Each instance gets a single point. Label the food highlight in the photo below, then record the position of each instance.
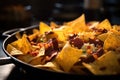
(72, 47)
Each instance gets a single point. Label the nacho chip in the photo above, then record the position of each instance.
(68, 57)
(78, 24)
(80, 20)
(116, 27)
(36, 60)
(68, 30)
(114, 31)
(34, 35)
(25, 58)
(17, 44)
(103, 36)
(51, 35)
(60, 34)
(44, 27)
(105, 24)
(53, 25)
(49, 66)
(32, 59)
(35, 31)
(26, 46)
(112, 41)
(18, 35)
(13, 51)
(86, 35)
(107, 64)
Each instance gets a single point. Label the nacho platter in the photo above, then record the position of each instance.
(75, 47)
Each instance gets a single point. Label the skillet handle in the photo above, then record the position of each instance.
(5, 60)
(9, 32)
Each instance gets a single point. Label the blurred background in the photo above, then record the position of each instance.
(23, 13)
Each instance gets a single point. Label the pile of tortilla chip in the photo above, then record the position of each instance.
(68, 56)
(108, 63)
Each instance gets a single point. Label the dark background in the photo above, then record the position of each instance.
(23, 13)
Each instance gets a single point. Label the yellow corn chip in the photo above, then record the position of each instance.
(25, 58)
(18, 35)
(80, 20)
(105, 24)
(44, 27)
(17, 44)
(53, 25)
(13, 51)
(78, 24)
(116, 27)
(60, 34)
(103, 36)
(33, 36)
(107, 64)
(112, 41)
(68, 57)
(26, 46)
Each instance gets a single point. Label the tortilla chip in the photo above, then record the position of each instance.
(114, 31)
(49, 66)
(86, 35)
(44, 27)
(68, 57)
(33, 36)
(22, 44)
(13, 51)
(116, 27)
(105, 24)
(78, 24)
(60, 35)
(68, 30)
(26, 46)
(53, 25)
(25, 58)
(103, 36)
(35, 31)
(107, 64)
(17, 44)
(112, 42)
(52, 35)
(18, 35)
(79, 20)
(36, 61)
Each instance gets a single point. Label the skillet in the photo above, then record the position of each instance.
(37, 73)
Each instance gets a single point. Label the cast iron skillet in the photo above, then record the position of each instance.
(35, 72)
